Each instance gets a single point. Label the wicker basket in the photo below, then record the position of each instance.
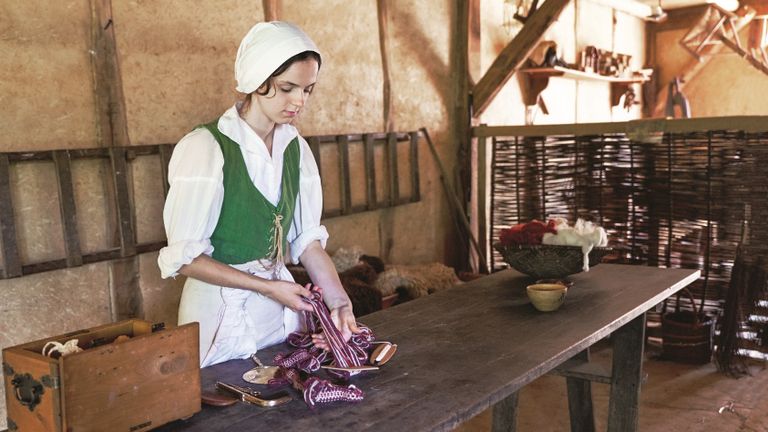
(549, 261)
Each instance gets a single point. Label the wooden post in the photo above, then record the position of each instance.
(505, 414)
(271, 10)
(483, 176)
(112, 128)
(623, 412)
(112, 131)
(462, 118)
(381, 9)
(580, 400)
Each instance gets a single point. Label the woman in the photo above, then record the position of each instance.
(242, 189)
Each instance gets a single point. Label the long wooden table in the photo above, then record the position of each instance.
(474, 346)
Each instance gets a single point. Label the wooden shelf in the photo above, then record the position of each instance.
(560, 71)
(538, 79)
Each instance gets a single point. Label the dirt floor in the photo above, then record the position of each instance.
(675, 397)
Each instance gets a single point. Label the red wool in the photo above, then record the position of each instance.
(530, 233)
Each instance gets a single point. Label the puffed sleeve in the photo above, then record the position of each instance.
(194, 200)
(306, 226)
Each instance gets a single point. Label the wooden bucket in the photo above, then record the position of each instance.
(688, 336)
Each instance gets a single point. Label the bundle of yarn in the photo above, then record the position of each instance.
(583, 233)
(307, 359)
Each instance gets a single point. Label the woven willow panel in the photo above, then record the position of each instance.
(685, 200)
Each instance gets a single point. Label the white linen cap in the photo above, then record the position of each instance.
(267, 46)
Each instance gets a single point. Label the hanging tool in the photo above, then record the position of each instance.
(676, 98)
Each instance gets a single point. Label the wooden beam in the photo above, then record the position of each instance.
(740, 123)
(271, 10)
(515, 53)
(112, 128)
(474, 52)
(111, 132)
(381, 9)
(752, 60)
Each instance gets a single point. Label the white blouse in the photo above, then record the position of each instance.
(196, 192)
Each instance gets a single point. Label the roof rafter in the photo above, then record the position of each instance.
(515, 53)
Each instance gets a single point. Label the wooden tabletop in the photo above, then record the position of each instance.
(459, 352)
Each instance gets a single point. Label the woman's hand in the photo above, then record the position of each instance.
(290, 294)
(344, 320)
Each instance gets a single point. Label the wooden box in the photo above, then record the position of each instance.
(149, 380)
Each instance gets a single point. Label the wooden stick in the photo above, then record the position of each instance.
(453, 202)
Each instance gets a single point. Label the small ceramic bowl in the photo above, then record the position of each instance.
(546, 297)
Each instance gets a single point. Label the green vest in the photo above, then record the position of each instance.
(246, 228)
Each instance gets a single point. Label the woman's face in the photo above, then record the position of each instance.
(289, 93)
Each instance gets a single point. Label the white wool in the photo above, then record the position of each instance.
(584, 234)
(346, 258)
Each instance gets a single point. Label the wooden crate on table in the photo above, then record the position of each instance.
(146, 381)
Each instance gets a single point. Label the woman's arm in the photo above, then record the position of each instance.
(323, 273)
(209, 270)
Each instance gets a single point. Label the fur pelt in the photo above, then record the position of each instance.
(413, 281)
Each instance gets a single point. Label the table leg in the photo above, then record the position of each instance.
(623, 406)
(580, 400)
(505, 414)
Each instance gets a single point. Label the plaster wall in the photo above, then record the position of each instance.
(727, 86)
(176, 65)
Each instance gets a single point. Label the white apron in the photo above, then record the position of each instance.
(235, 323)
